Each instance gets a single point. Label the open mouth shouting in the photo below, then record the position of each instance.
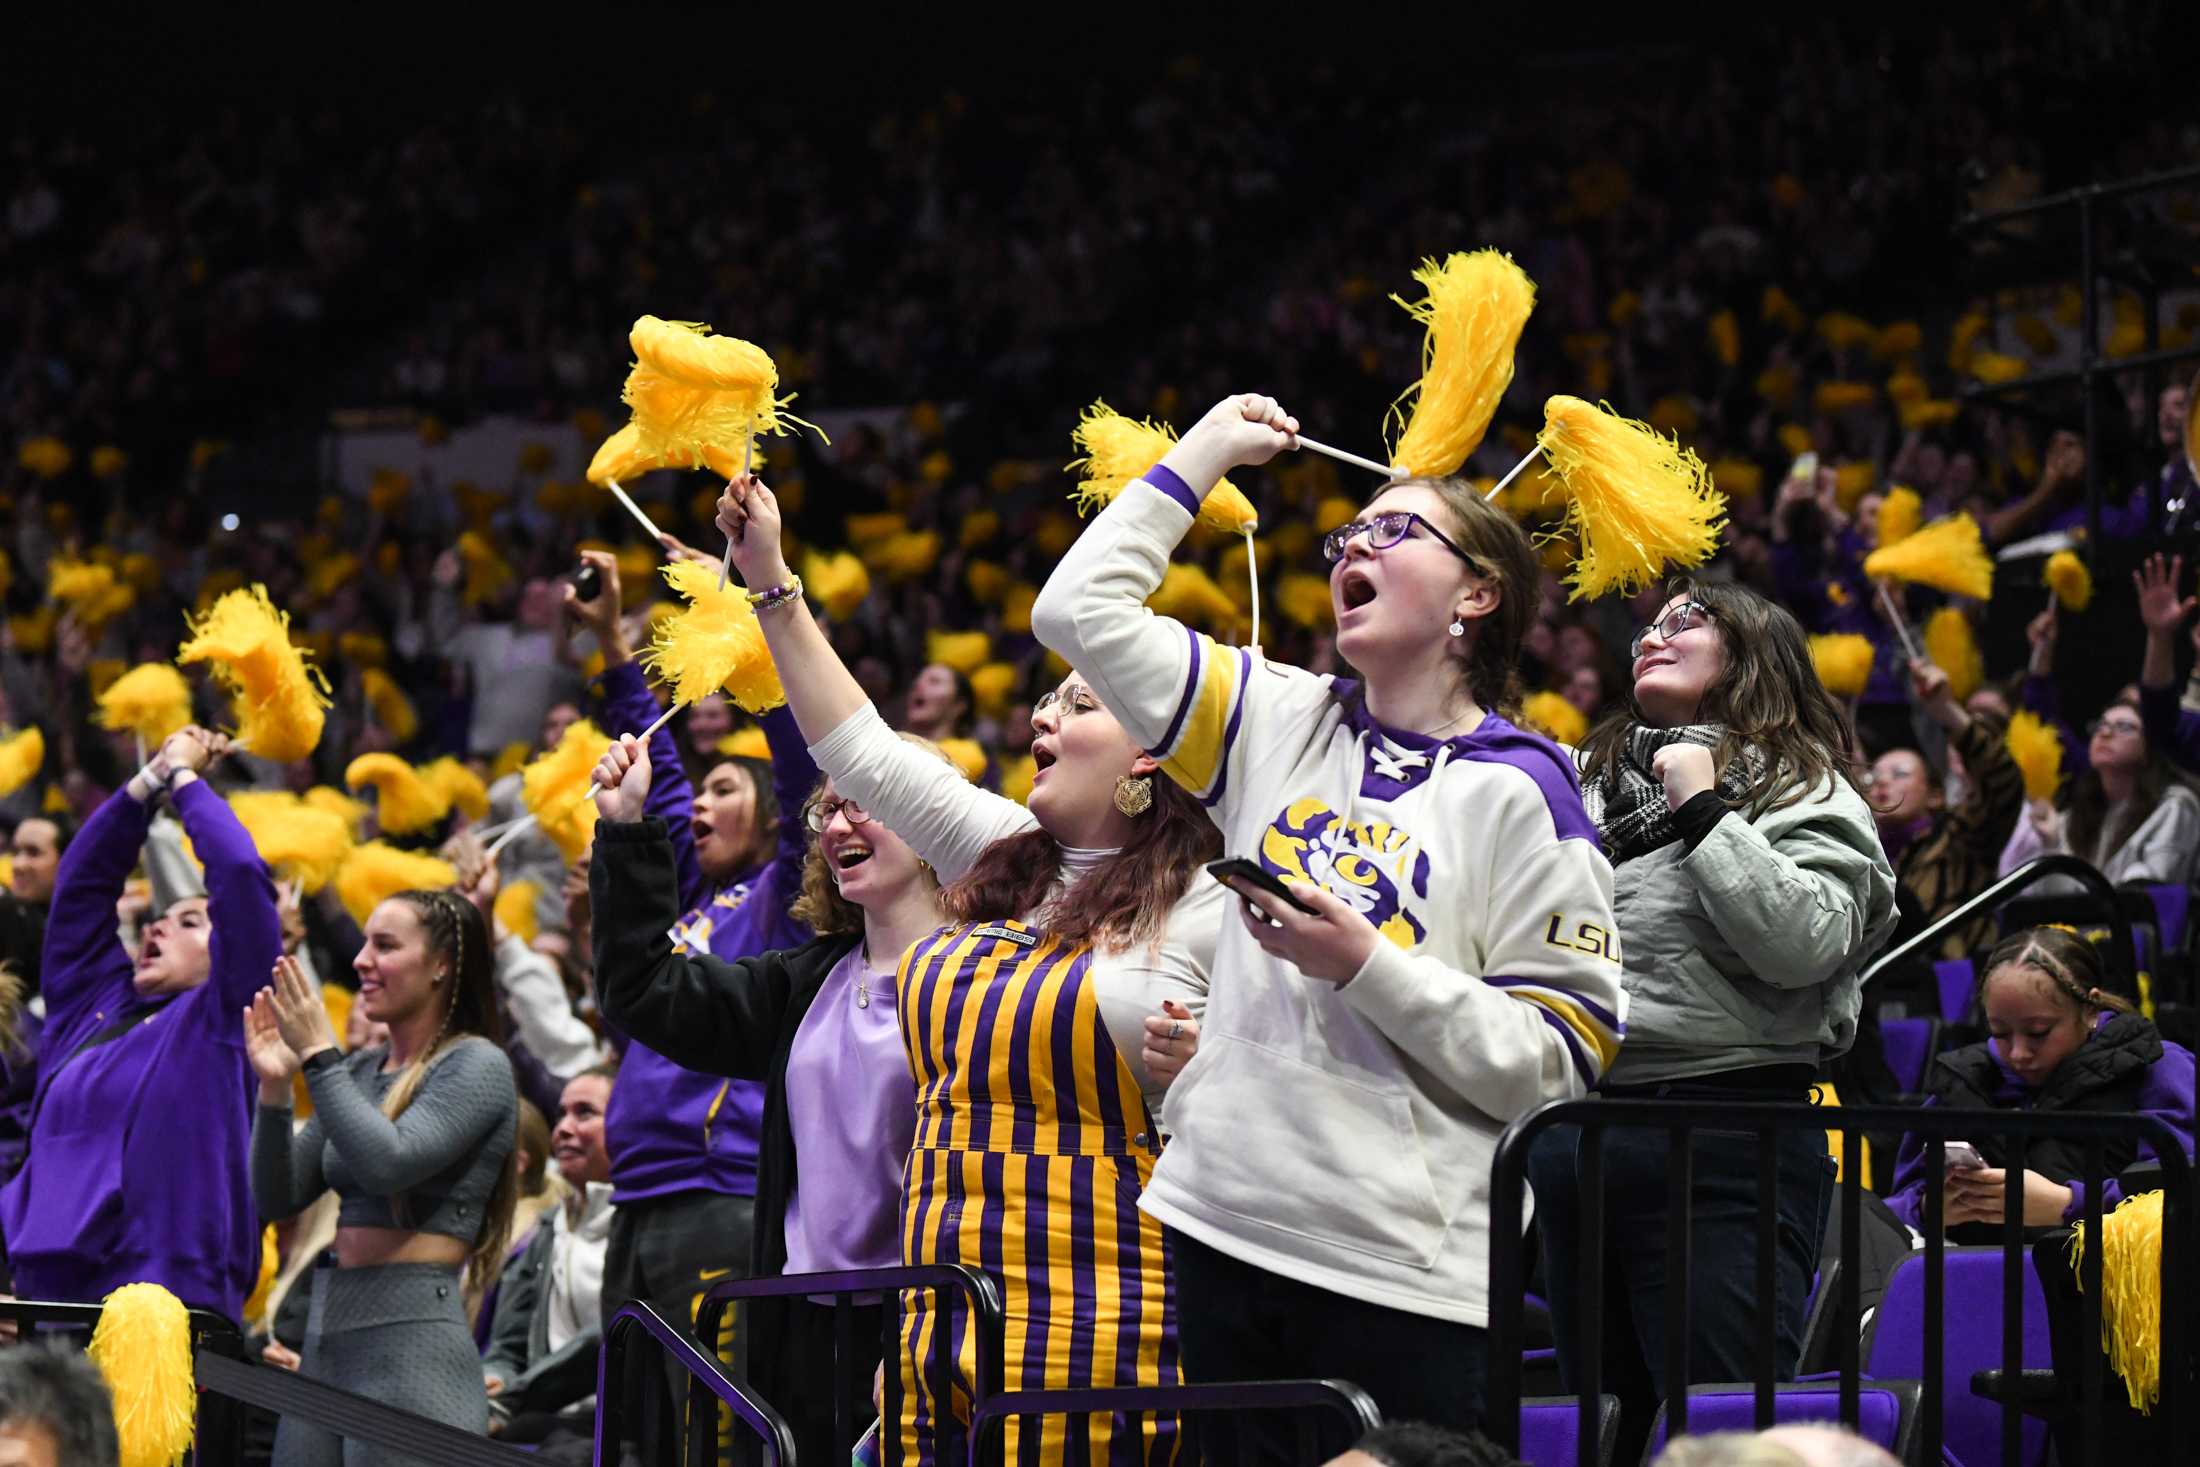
(1355, 589)
(1043, 758)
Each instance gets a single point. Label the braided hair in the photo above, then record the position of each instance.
(2070, 964)
(457, 935)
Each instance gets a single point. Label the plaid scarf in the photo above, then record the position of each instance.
(1628, 804)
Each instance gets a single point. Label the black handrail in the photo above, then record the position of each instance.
(979, 1294)
(2034, 870)
(351, 1416)
(1938, 1125)
(1339, 1396)
(220, 1435)
(704, 1374)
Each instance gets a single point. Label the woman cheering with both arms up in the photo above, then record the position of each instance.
(1026, 1021)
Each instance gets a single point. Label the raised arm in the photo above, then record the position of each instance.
(85, 966)
(247, 933)
(944, 818)
(702, 1014)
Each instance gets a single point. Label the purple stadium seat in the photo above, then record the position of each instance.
(1971, 1342)
(1908, 1045)
(1550, 1431)
(2170, 906)
(1886, 1411)
(1954, 977)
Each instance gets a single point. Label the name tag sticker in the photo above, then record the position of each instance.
(1009, 934)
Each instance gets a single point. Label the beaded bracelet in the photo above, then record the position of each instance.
(785, 593)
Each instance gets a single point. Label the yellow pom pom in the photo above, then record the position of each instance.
(963, 651)
(460, 787)
(1191, 596)
(1954, 650)
(714, 643)
(1844, 663)
(1636, 501)
(1725, 334)
(1474, 308)
(1673, 414)
(373, 873)
(698, 399)
(142, 1346)
(488, 574)
(1016, 604)
(404, 803)
(1551, 715)
(1906, 387)
(1852, 481)
(746, 743)
(1993, 366)
(1842, 397)
(967, 756)
(510, 759)
(1898, 339)
(2037, 750)
(298, 840)
(1303, 600)
(387, 701)
(108, 461)
(2069, 579)
(1779, 310)
(993, 685)
(1928, 413)
(1946, 554)
(1796, 439)
(1115, 450)
(1777, 385)
(555, 785)
(2131, 1293)
(1334, 511)
(337, 803)
(1840, 330)
(516, 911)
(1900, 513)
(1016, 777)
(1736, 478)
(982, 527)
(21, 755)
(905, 556)
(75, 582)
(151, 700)
(47, 457)
(278, 696)
(987, 581)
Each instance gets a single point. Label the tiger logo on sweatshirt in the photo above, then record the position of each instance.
(1378, 868)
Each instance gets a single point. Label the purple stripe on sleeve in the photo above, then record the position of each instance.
(1565, 1031)
(1213, 797)
(1167, 481)
(1184, 704)
(1607, 1019)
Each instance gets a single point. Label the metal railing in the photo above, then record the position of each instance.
(1937, 1125)
(959, 1287)
(708, 1387)
(2039, 868)
(1340, 1398)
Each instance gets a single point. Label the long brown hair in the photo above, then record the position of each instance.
(2088, 827)
(1123, 902)
(457, 935)
(1490, 667)
(821, 907)
(1769, 698)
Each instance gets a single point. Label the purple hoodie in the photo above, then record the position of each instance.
(671, 1130)
(138, 1147)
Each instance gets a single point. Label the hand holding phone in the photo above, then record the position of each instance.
(1237, 868)
(1964, 1157)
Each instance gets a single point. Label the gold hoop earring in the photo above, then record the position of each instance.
(1134, 797)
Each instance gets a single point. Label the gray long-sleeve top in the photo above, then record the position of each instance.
(442, 1156)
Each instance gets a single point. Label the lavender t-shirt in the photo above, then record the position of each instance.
(853, 1108)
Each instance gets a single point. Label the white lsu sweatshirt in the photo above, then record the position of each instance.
(1343, 1137)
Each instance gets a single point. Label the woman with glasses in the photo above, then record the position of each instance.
(684, 1140)
(1446, 962)
(1750, 888)
(1041, 1026)
(2129, 814)
(816, 1026)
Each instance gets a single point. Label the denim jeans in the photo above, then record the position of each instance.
(1723, 1302)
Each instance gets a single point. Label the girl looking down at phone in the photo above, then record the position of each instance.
(2057, 1042)
(1042, 1024)
(1327, 1180)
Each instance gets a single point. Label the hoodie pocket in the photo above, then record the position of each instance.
(1302, 1150)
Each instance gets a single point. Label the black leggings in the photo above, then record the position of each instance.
(1236, 1322)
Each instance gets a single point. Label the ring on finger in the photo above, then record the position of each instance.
(1176, 1029)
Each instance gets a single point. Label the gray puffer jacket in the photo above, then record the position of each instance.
(1745, 950)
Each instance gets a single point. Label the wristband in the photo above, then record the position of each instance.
(786, 592)
(325, 1058)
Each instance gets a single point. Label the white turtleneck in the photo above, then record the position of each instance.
(949, 822)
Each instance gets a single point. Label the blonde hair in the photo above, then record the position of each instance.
(821, 907)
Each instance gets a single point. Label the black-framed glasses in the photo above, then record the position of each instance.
(2131, 726)
(821, 813)
(1385, 530)
(1682, 617)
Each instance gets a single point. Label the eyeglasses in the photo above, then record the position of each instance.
(1385, 530)
(2129, 726)
(1680, 619)
(1076, 700)
(821, 813)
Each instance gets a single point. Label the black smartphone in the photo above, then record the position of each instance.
(1238, 868)
(587, 582)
